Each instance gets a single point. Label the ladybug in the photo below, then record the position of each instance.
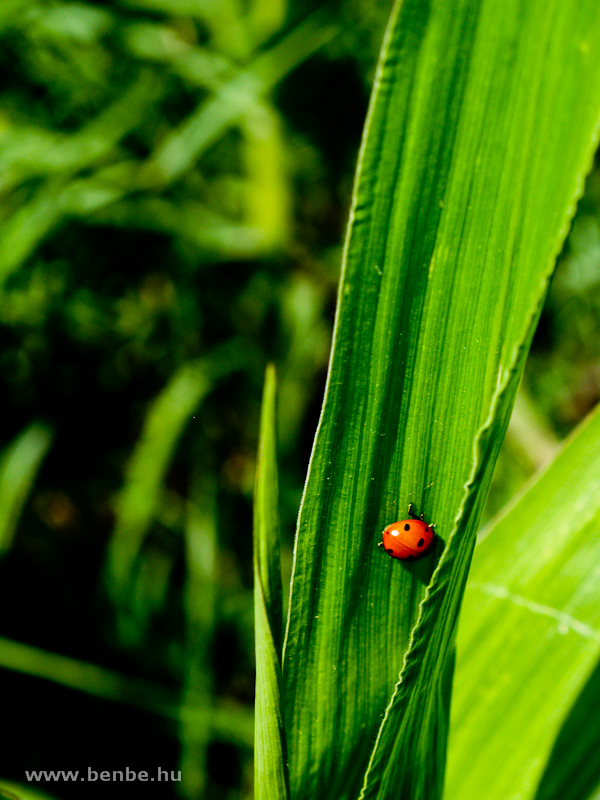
(409, 539)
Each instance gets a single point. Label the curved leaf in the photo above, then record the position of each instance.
(19, 464)
(530, 628)
(141, 494)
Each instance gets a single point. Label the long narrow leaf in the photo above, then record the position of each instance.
(16, 791)
(530, 628)
(230, 723)
(18, 467)
(179, 150)
(141, 494)
(166, 419)
(200, 607)
(270, 759)
(457, 219)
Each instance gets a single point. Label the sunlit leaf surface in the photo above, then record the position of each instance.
(270, 747)
(481, 128)
(530, 628)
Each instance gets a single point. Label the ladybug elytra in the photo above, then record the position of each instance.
(408, 539)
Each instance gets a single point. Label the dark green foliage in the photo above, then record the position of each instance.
(154, 255)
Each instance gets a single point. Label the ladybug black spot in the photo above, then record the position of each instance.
(421, 542)
(407, 527)
(390, 550)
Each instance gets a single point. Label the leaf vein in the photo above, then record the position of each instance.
(565, 620)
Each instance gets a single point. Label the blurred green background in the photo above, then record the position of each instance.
(175, 178)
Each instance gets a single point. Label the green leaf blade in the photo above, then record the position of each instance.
(266, 515)
(18, 467)
(270, 757)
(530, 631)
(141, 494)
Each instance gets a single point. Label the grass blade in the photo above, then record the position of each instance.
(270, 771)
(165, 421)
(18, 468)
(530, 627)
(230, 723)
(16, 791)
(141, 494)
(200, 605)
(236, 97)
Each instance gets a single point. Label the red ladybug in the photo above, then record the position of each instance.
(409, 539)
